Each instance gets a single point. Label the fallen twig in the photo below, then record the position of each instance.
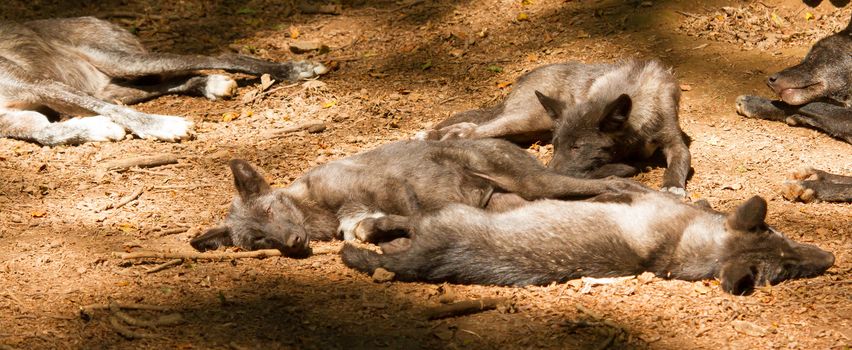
(173, 231)
(165, 265)
(149, 172)
(463, 308)
(312, 127)
(165, 320)
(133, 196)
(687, 14)
(130, 306)
(126, 332)
(264, 253)
(142, 162)
(179, 187)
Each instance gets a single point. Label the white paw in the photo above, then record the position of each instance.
(422, 135)
(458, 131)
(677, 191)
(164, 128)
(309, 69)
(98, 128)
(349, 224)
(219, 86)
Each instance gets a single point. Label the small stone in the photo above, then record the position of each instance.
(381, 275)
(307, 46)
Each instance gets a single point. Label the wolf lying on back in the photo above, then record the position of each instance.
(80, 66)
(816, 93)
(599, 115)
(400, 178)
(553, 241)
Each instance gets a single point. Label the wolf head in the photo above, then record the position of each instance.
(585, 137)
(826, 72)
(259, 218)
(755, 254)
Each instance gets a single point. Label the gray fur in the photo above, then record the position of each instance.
(400, 178)
(553, 241)
(816, 92)
(85, 66)
(575, 104)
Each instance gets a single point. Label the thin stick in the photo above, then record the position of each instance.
(149, 172)
(165, 320)
(173, 231)
(142, 162)
(306, 126)
(126, 332)
(463, 308)
(129, 306)
(264, 253)
(179, 187)
(165, 265)
(125, 200)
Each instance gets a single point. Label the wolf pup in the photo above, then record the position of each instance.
(598, 115)
(83, 66)
(554, 241)
(400, 178)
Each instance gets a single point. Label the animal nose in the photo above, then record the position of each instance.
(829, 260)
(772, 78)
(295, 240)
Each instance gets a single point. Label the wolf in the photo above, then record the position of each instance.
(399, 178)
(818, 93)
(549, 241)
(596, 115)
(86, 66)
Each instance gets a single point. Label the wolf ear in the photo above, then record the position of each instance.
(248, 181)
(749, 215)
(737, 278)
(553, 106)
(616, 113)
(212, 239)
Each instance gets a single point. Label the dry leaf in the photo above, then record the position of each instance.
(249, 96)
(809, 16)
(503, 85)
(122, 283)
(329, 104)
(523, 17)
(38, 214)
(748, 328)
(229, 116)
(685, 87)
(294, 32)
(456, 52)
(265, 82)
(126, 227)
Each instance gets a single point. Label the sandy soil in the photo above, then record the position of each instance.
(401, 67)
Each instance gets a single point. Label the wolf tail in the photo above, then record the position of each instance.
(363, 260)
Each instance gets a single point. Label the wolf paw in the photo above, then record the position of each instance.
(97, 128)
(677, 191)
(805, 174)
(306, 69)
(798, 191)
(219, 86)
(163, 128)
(459, 131)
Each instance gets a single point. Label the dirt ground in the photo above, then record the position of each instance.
(402, 66)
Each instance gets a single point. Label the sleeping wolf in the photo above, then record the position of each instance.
(597, 116)
(86, 66)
